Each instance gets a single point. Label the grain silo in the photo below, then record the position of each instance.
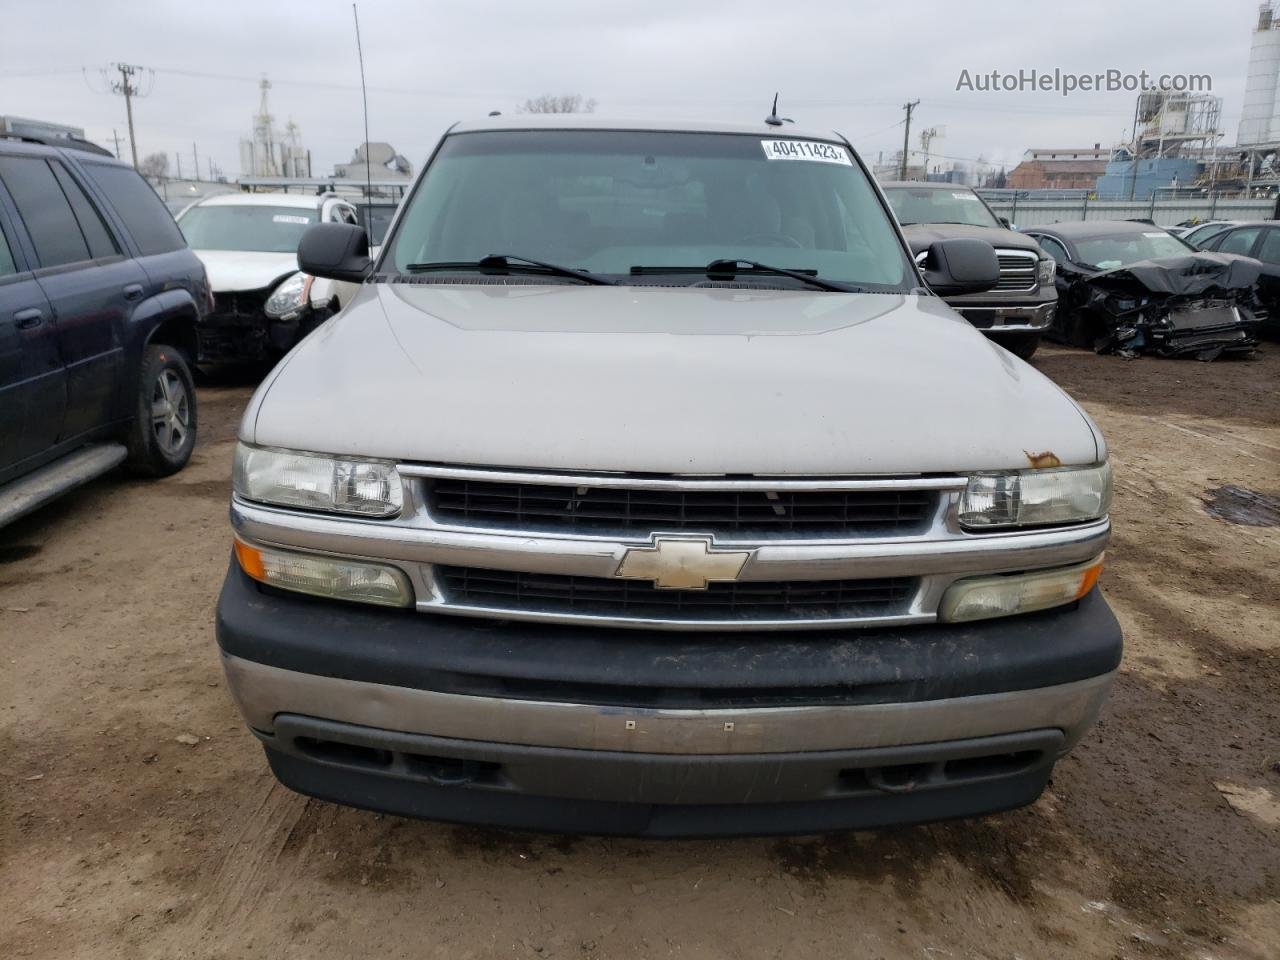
(1260, 117)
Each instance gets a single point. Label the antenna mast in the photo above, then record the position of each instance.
(364, 96)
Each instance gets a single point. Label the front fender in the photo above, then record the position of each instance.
(172, 313)
(325, 292)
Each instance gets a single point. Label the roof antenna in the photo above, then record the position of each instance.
(368, 153)
(773, 119)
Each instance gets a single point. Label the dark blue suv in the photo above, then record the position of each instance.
(99, 297)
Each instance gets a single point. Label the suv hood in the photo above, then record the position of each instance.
(921, 236)
(665, 380)
(231, 271)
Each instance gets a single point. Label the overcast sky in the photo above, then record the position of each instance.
(843, 65)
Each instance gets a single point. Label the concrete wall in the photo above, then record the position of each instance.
(1028, 213)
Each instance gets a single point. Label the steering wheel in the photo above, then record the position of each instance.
(783, 239)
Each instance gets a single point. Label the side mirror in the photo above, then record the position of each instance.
(1004, 222)
(960, 266)
(335, 251)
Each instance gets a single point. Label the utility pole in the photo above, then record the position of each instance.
(128, 89)
(116, 137)
(195, 156)
(927, 138)
(906, 136)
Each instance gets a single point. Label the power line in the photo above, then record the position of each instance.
(17, 74)
(876, 133)
(945, 156)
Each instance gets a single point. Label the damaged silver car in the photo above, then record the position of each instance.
(1129, 287)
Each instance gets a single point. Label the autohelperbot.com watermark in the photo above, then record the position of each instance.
(1066, 82)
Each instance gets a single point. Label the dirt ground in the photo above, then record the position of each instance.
(138, 818)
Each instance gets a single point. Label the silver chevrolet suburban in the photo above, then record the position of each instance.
(648, 486)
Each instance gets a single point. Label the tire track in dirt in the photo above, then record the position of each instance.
(250, 880)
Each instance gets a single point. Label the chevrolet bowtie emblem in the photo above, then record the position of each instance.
(682, 564)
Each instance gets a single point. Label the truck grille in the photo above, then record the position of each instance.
(500, 590)
(815, 513)
(240, 304)
(236, 330)
(1017, 270)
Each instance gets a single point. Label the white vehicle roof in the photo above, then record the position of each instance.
(302, 201)
(589, 121)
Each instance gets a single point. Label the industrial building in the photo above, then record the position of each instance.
(1074, 168)
(1175, 140)
(270, 153)
(375, 161)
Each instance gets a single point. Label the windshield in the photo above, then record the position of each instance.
(1203, 233)
(929, 205)
(1107, 253)
(614, 202)
(262, 229)
(375, 218)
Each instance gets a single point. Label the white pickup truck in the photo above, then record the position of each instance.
(648, 486)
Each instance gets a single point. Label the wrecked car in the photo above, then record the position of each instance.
(1130, 288)
(263, 304)
(1019, 308)
(1259, 239)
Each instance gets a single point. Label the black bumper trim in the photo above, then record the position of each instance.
(599, 792)
(595, 665)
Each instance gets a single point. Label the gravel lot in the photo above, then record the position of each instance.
(138, 818)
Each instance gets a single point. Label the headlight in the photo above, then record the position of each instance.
(980, 598)
(333, 577)
(1036, 497)
(1048, 270)
(290, 298)
(310, 481)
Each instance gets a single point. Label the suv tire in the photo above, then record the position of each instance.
(163, 432)
(1023, 345)
(1083, 330)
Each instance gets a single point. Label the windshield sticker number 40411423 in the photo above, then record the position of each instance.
(805, 150)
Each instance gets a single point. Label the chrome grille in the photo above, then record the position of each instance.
(1017, 269)
(791, 578)
(500, 590)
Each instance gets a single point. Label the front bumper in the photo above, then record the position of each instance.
(591, 730)
(1004, 318)
(247, 337)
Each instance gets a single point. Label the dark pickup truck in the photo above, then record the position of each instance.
(99, 297)
(1019, 309)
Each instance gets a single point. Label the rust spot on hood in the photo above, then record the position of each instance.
(1041, 460)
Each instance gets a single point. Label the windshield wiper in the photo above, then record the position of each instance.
(500, 263)
(728, 269)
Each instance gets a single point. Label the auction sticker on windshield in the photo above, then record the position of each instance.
(805, 150)
(289, 218)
